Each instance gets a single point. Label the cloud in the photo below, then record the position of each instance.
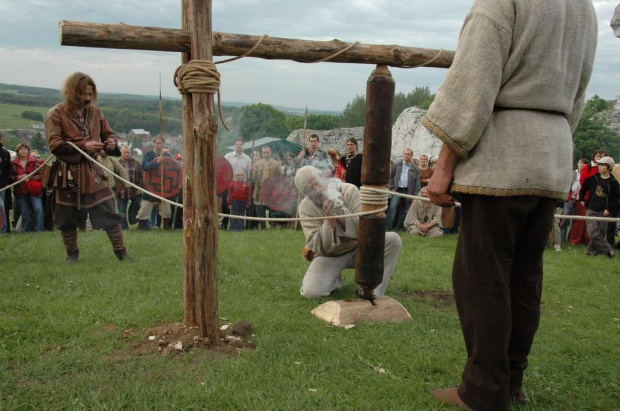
(31, 54)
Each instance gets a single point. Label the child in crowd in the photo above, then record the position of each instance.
(238, 200)
(602, 194)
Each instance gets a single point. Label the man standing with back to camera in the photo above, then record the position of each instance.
(81, 186)
(513, 96)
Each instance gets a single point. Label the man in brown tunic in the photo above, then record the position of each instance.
(81, 186)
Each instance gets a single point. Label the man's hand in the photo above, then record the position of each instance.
(307, 254)
(159, 159)
(93, 146)
(442, 178)
(606, 213)
(110, 143)
(438, 189)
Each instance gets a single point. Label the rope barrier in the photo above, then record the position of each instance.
(122, 179)
(28, 175)
(457, 204)
(200, 76)
(220, 214)
(292, 219)
(368, 195)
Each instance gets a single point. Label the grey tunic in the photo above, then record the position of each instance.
(511, 121)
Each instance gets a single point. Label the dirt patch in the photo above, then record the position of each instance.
(445, 298)
(176, 339)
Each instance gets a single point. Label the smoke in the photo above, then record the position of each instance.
(333, 193)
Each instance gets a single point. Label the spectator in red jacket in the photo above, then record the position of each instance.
(27, 194)
(239, 195)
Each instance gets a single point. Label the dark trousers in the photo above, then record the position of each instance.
(497, 279)
(238, 208)
(611, 230)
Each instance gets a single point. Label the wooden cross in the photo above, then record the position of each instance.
(197, 42)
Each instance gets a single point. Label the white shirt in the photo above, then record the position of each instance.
(239, 162)
(404, 175)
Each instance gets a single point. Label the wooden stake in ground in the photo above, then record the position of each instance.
(189, 209)
(375, 173)
(206, 222)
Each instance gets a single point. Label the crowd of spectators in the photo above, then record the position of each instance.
(594, 192)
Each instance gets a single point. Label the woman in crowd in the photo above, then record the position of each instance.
(337, 169)
(579, 233)
(425, 171)
(28, 194)
(571, 202)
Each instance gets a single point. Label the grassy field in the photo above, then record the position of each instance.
(61, 329)
(11, 115)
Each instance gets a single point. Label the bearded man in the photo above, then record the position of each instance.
(82, 187)
(331, 245)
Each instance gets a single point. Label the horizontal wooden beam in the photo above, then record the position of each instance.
(122, 36)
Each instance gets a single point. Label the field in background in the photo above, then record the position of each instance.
(62, 327)
(10, 115)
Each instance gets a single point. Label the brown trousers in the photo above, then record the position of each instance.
(497, 280)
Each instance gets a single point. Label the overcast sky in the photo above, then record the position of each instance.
(30, 51)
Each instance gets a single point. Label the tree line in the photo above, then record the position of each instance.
(126, 112)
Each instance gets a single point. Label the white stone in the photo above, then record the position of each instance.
(408, 132)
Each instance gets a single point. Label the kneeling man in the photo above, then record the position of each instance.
(424, 218)
(331, 244)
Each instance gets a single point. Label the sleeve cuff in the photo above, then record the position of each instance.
(433, 128)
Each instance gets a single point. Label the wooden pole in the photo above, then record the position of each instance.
(205, 223)
(189, 211)
(122, 36)
(375, 173)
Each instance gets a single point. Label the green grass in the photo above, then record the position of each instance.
(58, 351)
(11, 115)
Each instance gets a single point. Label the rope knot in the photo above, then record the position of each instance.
(201, 77)
(197, 76)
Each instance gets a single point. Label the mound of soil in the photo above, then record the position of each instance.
(444, 297)
(176, 339)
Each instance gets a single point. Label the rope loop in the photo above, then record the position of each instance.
(426, 63)
(247, 53)
(373, 196)
(201, 77)
(349, 47)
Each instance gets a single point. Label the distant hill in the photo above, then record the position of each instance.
(47, 97)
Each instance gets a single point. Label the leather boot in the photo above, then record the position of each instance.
(167, 222)
(144, 225)
(123, 256)
(73, 256)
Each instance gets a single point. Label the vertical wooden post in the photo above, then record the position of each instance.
(375, 173)
(189, 269)
(205, 223)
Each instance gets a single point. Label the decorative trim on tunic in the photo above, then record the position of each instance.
(507, 192)
(433, 128)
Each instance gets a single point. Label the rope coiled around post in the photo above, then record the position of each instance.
(202, 77)
(374, 196)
